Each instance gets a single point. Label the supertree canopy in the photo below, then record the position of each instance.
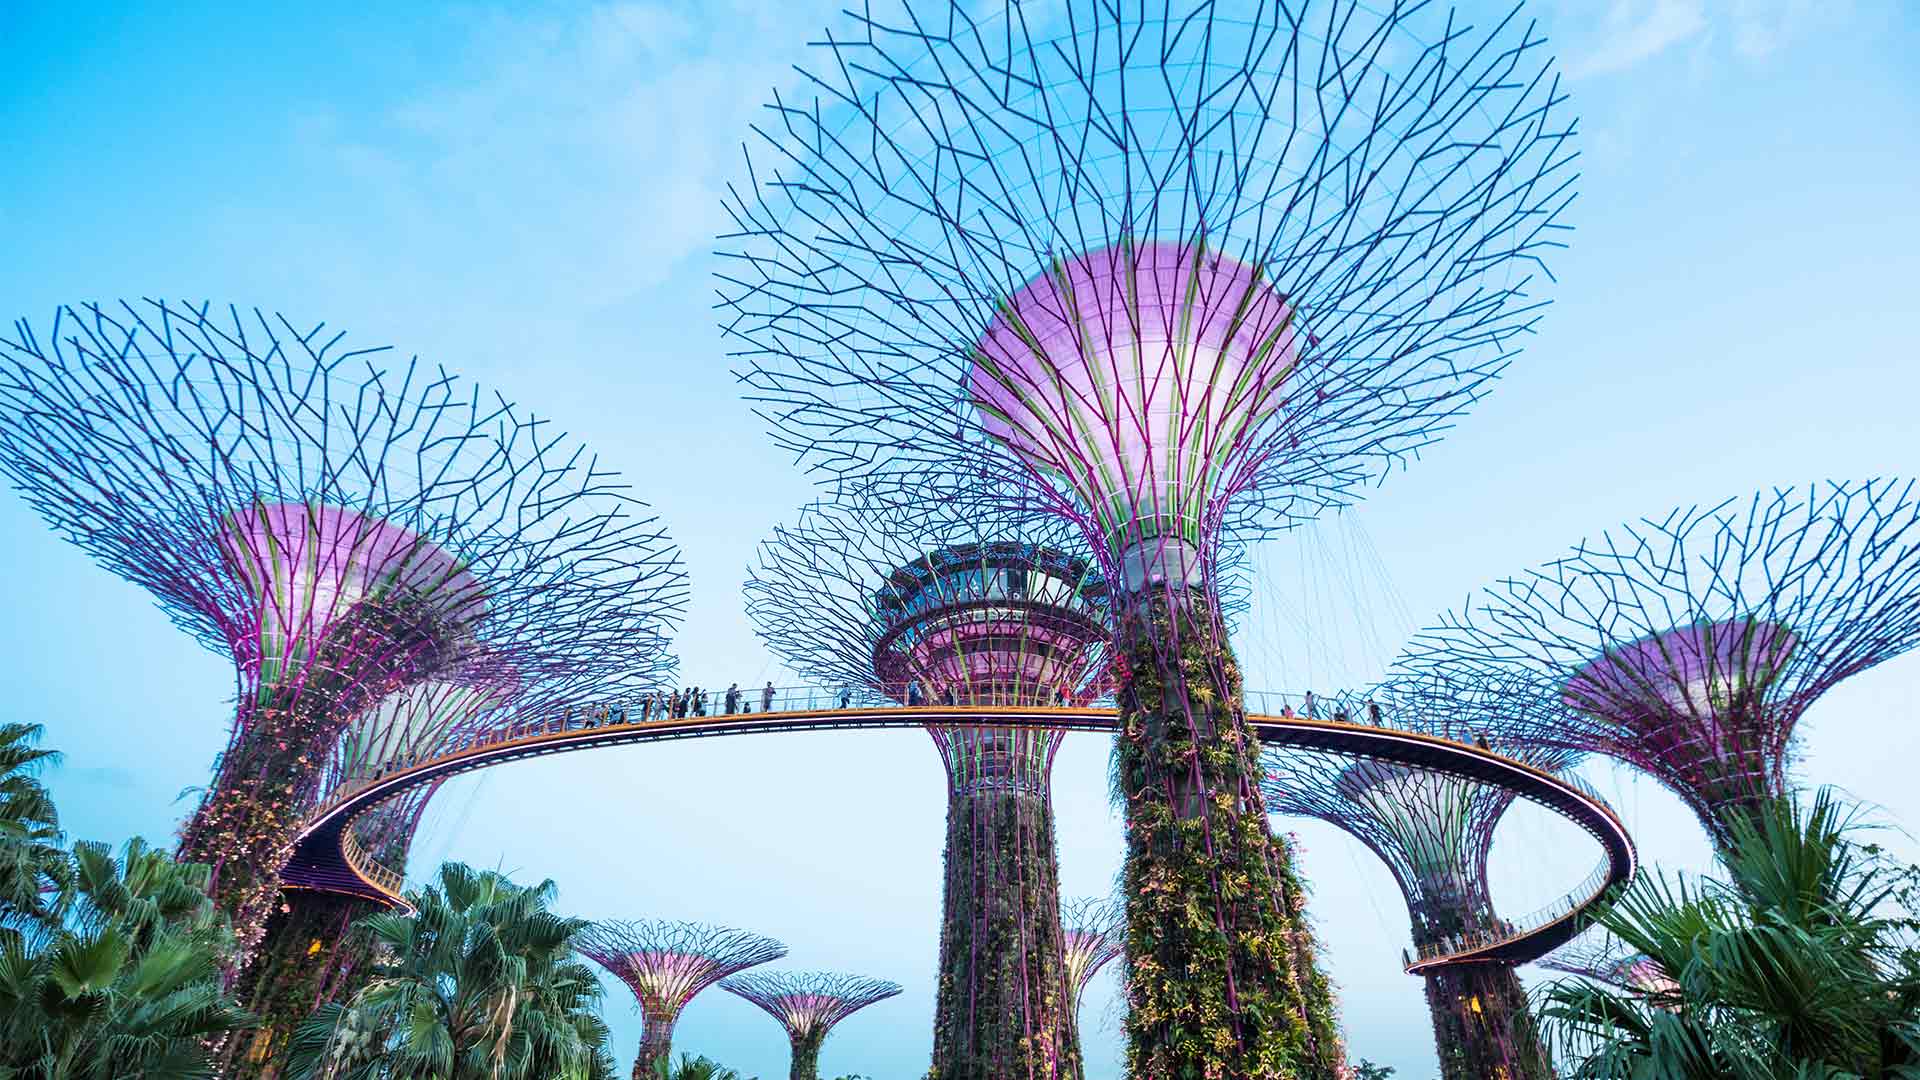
(936, 605)
(808, 1005)
(1688, 646)
(342, 532)
(1183, 270)
(1093, 929)
(1434, 832)
(665, 964)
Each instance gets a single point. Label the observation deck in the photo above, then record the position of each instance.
(326, 856)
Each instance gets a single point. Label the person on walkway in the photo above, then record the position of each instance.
(1373, 712)
(733, 698)
(1310, 705)
(846, 698)
(914, 697)
(766, 697)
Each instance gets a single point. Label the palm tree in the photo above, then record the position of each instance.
(696, 1068)
(1803, 964)
(33, 862)
(127, 983)
(481, 984)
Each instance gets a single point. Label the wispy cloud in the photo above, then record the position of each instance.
(1636, 31)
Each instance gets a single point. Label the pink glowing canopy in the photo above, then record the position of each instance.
(1694, 673)
(1139, 373)
(309, 566)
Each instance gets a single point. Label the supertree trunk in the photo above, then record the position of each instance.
(1326, 1050)
(247, 822)
(311, 956)
(1001, 1008)
(806, 1056)
(1210, 946)
(1481, 1025)
(656, 1046)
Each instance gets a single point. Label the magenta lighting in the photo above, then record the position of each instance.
(948, 605)
(808, 1005)
(1689, 646)
(1181, 273)
(344, 532)
(666, 964)
(1434, 831)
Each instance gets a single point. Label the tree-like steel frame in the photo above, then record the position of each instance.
(1688, 646)
(808, 1004)
(666, 963)
(1434, 832)
(1179, 272)
(934, 601)
(342, 531)
(1094, 928)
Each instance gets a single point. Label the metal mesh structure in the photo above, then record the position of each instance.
(665, 964)
(935, 605)
(1688, 646)
(1179, 272)
(1094, 928)
(1434, 832)
(1603, 958)
(808, 1005)
(342, 532)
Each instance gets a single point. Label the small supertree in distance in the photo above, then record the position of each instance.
(808, 1004)
(1435, 833)
(937, 603)
(1185, 271)
(666, 963)
(1094, 928)
(1599, 956)
(312, 954)
(341, 532)
(1689, 646)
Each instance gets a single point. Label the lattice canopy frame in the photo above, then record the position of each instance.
(1095, 928)
(1689, 646)
(341, 531)
(666, 964)
(808, 1005)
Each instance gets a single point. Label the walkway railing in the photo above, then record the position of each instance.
(364, 864)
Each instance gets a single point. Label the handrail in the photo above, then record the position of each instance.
(327, 839)
(1457, 947)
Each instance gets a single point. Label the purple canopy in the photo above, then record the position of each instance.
(1700, 671)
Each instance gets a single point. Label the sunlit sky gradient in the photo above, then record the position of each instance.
(528, 196)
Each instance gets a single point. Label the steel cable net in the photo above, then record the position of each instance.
(1180, 273)
(341, 531)
(1688, 646)
(808, 1004)
(666, 964)
(934, 604)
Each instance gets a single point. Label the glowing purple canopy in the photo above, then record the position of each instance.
(1703, 671)
(309, 567)
(1138, 374)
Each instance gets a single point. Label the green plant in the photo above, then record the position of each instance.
(1804, 963)
(127, 983)
(1367, 1070)
(480, 983)
(34, 868)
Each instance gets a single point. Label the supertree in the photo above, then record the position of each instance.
(312, 953)
(930, 603)
(665, 964)
(1093, 927)
(1434, 832)
(341, 532)
(1183, 269)
(808, 1005)
(1688, 646)
(1603, 958)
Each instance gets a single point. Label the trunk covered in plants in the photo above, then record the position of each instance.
(656, 1045)
(806, 1055)
(1481, 1025)
(1001, 1003)
(1213, 941)
(311, 956)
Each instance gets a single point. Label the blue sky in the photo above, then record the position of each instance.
(527, 195)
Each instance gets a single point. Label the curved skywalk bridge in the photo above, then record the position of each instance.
(328, 858)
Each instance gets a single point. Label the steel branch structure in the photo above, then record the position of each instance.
(932, 604)
(1688, 646)
(808, 1005)
(1093, 929)
(342, 532)
(1179, 272)
(1434, 832)
(665, 964)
